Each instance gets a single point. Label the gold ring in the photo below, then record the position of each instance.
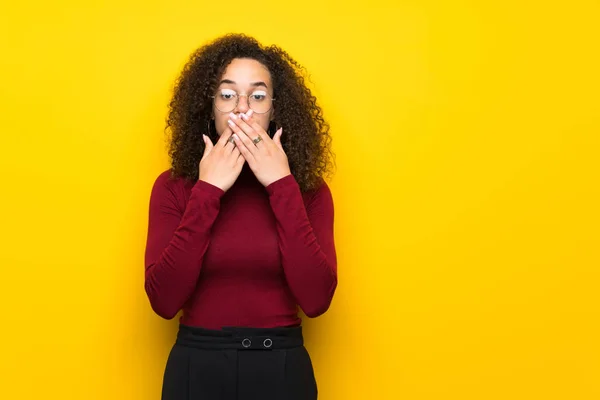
(258, 139)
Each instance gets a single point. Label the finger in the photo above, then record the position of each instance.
(246, 128)
(235, 152)
(207, 145)
(244, 150)
(240, 161)
(277, 138)
(238, 152)
(255, 125)
(230, 145)
(224, 136)
(243, 138)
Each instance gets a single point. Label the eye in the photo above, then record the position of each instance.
(259, 95)
(227, 94)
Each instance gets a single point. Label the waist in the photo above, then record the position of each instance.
(217, 303)
(241, 338)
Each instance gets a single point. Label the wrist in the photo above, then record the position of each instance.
(281, 183)
(213, 187)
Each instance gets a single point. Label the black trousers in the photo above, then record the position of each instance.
(239, 364)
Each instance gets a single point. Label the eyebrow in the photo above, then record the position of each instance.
(255, 84)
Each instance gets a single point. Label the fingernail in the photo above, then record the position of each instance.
(281, 131)
(231, 123)
(235, 136)
(232, 116)
(249, 113)
(245, 116)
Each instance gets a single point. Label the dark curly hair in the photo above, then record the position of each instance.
(306, 139)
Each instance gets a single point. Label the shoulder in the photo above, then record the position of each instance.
(320, 194)
(166, 179)
(320, 189)
(167, 186)
(163, 178)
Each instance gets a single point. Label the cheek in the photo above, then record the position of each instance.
(220, 122)
(263, 121)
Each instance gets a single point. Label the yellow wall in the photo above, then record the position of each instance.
(466, 193)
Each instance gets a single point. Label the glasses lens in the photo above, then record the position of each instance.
(260, 102)
(226, 100)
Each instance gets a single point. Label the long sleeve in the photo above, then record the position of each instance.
(306, 242)
(178, 237)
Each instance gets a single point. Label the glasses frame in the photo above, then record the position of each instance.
(237, 102)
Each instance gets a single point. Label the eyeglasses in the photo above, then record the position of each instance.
(226, 100)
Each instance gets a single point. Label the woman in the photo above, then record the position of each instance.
(241, 226)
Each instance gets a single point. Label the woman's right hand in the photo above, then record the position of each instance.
(221, 163)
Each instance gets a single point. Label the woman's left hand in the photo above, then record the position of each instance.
(266, 157)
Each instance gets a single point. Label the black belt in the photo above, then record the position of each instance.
(240, 338)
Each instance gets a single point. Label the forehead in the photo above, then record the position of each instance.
(244, 71)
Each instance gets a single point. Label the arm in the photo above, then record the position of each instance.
(176, 244)
(306, 243)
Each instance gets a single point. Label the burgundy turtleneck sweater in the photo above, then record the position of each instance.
(245, 257)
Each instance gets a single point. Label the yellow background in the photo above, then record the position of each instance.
(466, 193)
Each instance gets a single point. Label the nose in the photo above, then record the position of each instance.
(242, 106)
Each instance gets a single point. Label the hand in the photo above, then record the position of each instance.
(266, 158)
(222, 163)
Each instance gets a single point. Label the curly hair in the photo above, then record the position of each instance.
(306, 139)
